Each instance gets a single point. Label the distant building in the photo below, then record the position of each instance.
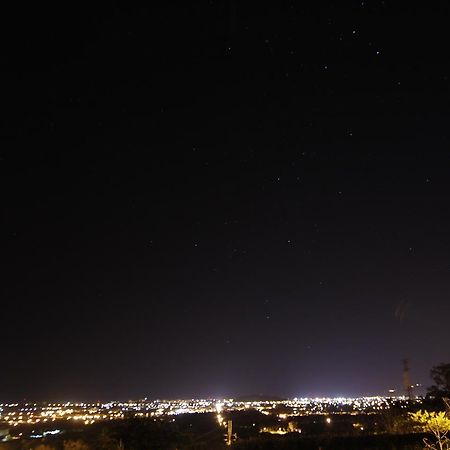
(277, 429)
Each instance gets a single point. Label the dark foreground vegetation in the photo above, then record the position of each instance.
(382, 442)
(202, 432)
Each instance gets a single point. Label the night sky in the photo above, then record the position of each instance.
(220, 198)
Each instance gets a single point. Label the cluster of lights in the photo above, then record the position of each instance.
(325, 405)
(14, 414)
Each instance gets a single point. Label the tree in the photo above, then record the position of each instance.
(435, 423)
(440, 374)
(75, 445)
(105, 440)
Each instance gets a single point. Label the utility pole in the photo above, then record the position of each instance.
(229, 432)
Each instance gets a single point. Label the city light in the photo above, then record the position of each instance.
(14, 414)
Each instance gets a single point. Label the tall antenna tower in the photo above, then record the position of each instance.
(407, 379)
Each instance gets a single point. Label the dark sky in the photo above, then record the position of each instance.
(223, 198)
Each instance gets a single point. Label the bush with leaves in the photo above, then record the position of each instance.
(435, 423)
